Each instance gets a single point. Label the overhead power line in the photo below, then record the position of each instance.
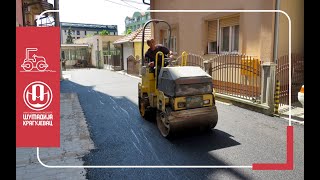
(130, 5)
(122, 4)
(134, 2)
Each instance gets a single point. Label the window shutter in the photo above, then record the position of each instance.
(173, 32)
(212, 31)
(163, 36)
(232, 21)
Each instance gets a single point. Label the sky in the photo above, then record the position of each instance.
(107, 12)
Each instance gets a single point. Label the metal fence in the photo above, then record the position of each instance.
(192, 60)
(236, 75)
(112, 61)
(297, 77)
(73, 58)
(133, 65)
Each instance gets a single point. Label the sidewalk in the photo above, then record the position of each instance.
(297, 113)
(75, 143)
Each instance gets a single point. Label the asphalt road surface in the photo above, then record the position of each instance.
(121, 137)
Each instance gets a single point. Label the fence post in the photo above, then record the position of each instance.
(184, 58)
(208, 67)
(268, 85)
(101, 61)
(61, 69)
(276, 98)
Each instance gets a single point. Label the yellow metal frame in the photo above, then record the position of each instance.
(184, 58)
(149, 81)
(149, 86)
(156, 71)
(164, 101)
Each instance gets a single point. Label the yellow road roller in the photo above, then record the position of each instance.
(179, 97)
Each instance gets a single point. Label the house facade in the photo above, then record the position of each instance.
(131, 45)
(209, 34)
(248, 52)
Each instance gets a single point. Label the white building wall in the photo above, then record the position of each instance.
(127, 51)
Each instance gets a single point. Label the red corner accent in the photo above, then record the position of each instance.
(280, 166)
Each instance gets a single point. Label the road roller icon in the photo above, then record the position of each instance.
(34, 62)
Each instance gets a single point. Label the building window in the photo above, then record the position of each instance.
(235, 45)
(85, 32)
(212, 47)
(173, 43)
(212, 36)
(230, 39)
(63, 55)
(223, 35)
(78, 32)
(78, 37)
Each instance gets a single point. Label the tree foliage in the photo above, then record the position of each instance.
(103, 32)
(69, 37)
(129, 31)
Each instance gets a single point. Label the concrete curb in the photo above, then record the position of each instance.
(124, 73)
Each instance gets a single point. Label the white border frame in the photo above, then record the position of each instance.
(187, 166)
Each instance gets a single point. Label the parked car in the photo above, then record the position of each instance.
(301, 95)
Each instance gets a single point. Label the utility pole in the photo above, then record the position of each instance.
(57, 24)
(56, 15)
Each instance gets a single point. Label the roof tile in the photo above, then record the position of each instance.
(135, 36)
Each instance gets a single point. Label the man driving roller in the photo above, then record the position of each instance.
(150, 55)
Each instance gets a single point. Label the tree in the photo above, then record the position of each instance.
(129, 31)
(103, 32)
(69, 37)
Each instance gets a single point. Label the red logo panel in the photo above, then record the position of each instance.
(37, 87)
